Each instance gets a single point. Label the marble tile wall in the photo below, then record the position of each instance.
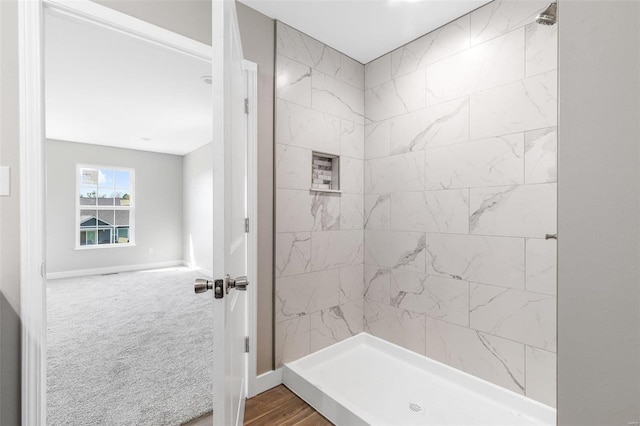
(459, 192)
(319, 236)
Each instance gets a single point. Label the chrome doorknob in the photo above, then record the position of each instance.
(201, 285)
(239, 283)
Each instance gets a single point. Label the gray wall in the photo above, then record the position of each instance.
(158, 207)
(598, 201)
(257, 33)
(197, 209)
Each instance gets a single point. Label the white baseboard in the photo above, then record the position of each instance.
(112, 269)
(268, 380)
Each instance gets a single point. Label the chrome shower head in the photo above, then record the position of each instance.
(549, 16)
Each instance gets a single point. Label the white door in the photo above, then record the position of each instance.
(230, 210)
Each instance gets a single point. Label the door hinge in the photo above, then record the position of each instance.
(246, 105)
(246, 224)
(246, 344)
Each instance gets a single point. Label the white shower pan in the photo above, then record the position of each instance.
(365, 380)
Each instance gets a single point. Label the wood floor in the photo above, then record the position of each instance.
(275, 407)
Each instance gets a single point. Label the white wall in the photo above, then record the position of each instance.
(197, 210)
(158, 207)
(599, 213)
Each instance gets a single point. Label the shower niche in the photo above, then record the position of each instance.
(325, 172)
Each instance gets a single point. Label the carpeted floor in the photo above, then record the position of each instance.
(132, 348)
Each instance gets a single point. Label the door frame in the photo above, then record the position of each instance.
(33, 180)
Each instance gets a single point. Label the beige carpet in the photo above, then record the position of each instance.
(128, 349)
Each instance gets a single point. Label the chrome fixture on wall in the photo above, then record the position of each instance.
(549, 16)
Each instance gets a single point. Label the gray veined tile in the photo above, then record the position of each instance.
(351, 175)
(335, 97)
(490, 64)
(541, 48)
(292, 339)
(486, 162)
(293, 210)
(396, 97)
(514, 211)
(541, 267)
(307, 50)
(438, 44)
(404, 172)
(351, 72)
(303, 294)
(335, 249)
(351, 139)
(377, 72)
(306, 128)
(395, 249)
(335, 324)
(325, 210)
(377, 139)
(443, 124)
(515, 107)
(447, 211)
(351, 211)
(492, 358)
(501, 16)
(293, 81)
(293, 167)
(541, 375)
(351, 283)
(293, 253)
(377, 211)
(399, 326)
(540, 156)
(491, 260)
(514, 314)
(436, 297)
(377, 284)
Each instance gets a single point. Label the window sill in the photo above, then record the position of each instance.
(104, 246)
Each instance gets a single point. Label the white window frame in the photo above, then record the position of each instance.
(130, 208)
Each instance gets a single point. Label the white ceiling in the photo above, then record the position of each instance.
(365, 29)
(108, 88)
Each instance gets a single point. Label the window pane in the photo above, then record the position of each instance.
(123, 180)
(106, 178)
(88, 238)
(121, 218)
(88, 195)
(105, 219)
(104, 236)
(123, 197)
(105, 196)
(89, 177)
(88, 218)
(123, 236)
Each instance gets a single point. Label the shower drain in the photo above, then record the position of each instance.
(416, 408)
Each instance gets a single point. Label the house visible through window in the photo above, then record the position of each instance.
(105, 206)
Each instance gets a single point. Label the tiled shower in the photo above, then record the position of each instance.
(436, 241)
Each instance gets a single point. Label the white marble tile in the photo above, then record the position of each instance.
(351, 175)
(377, 211)
(541, 266)
(293, 81)
(443, 124)
(377, 139)
(514, 314)
(438, 44)
(395, 325)
(335, 249)
(408, 211)
(351, 139)
(351, 72)
(351, 283)
(496, 360)
(335, 97)
(404, 172)
(307, 50)
(293, 167)
(501, 16)
(515, 107)
(541, 48)
(395, 249)
(491, 260)
(486, 162)
(307, 128)
(541, 375)
(334, 324)
(540, 156)
(377, 72)
(436, 297)
(325, 210)
(351, 211)
(396, 97)
(377, 284)
(490, 64)
(514, 211)
(303, 294)
(293, 211)
(293, 253)
(447, 211)
(292, 339)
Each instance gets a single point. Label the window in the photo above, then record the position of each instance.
(105, 206)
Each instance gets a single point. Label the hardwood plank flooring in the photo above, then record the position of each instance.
(275, 407)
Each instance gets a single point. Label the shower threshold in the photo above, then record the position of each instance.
(365, 380)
